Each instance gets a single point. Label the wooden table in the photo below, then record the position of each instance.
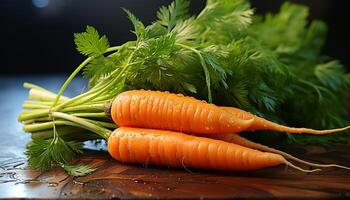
(117, 180)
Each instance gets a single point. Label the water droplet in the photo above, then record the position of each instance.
(53, 184)
(168, 188)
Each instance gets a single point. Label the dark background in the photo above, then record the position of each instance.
(38, 38)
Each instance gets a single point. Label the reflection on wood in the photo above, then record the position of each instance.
(114, 179)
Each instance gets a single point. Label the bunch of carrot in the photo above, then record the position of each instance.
(219, 55)
(167, 129)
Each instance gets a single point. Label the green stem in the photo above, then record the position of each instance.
(77, 98)
(205, 69)
(115, 48)
(39, 95)
(102, 98)
(103, 124)
(33, 106)
(42, 119)
(70, 78)
(47, 125)
(76, 71)
(98, 89)
(32, 86)
(33, 114)
(92, 107)
(67, 133)
(44, 103)
(114, 80)
(103, 132)
(102, 114)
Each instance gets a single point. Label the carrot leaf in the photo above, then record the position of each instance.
(171, 15)
(138, 25)
(43, 154)
(89, 43)
(78, 170)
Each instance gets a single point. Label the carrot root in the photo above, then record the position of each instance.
(237, 139)
(166, 111)
(174, 149)
(263, 124)
(301, 169)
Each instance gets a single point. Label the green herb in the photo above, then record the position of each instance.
(268, 65)
(56, 152)
(89, 43)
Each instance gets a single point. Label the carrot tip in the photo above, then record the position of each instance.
(334, 165)
(301, 169)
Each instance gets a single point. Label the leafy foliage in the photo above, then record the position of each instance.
(45, 153)
(138, 25)
(320, 86)
(89, 43)
(330, 74)
(97, 68)
(78, 170)
(223, 20)
(270, 66)
(175, 12)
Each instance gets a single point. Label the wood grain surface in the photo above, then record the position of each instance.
(118, 180)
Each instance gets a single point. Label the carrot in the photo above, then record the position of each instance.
(175, 149)
(263, 124)
(237, 139)
(162, 110)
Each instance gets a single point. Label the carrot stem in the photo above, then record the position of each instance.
(47, 125)
(33, 114)
(39, 95)
(103, 132)
(100, 114)
(89, 107)
(76, 71)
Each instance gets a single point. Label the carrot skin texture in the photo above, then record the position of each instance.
(166, 111)
(175, 149)
(263, 124)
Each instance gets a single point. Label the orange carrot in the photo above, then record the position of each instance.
(237, 139)
(263, 124)
(161, 110)
(165, 111)
(174, 149)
